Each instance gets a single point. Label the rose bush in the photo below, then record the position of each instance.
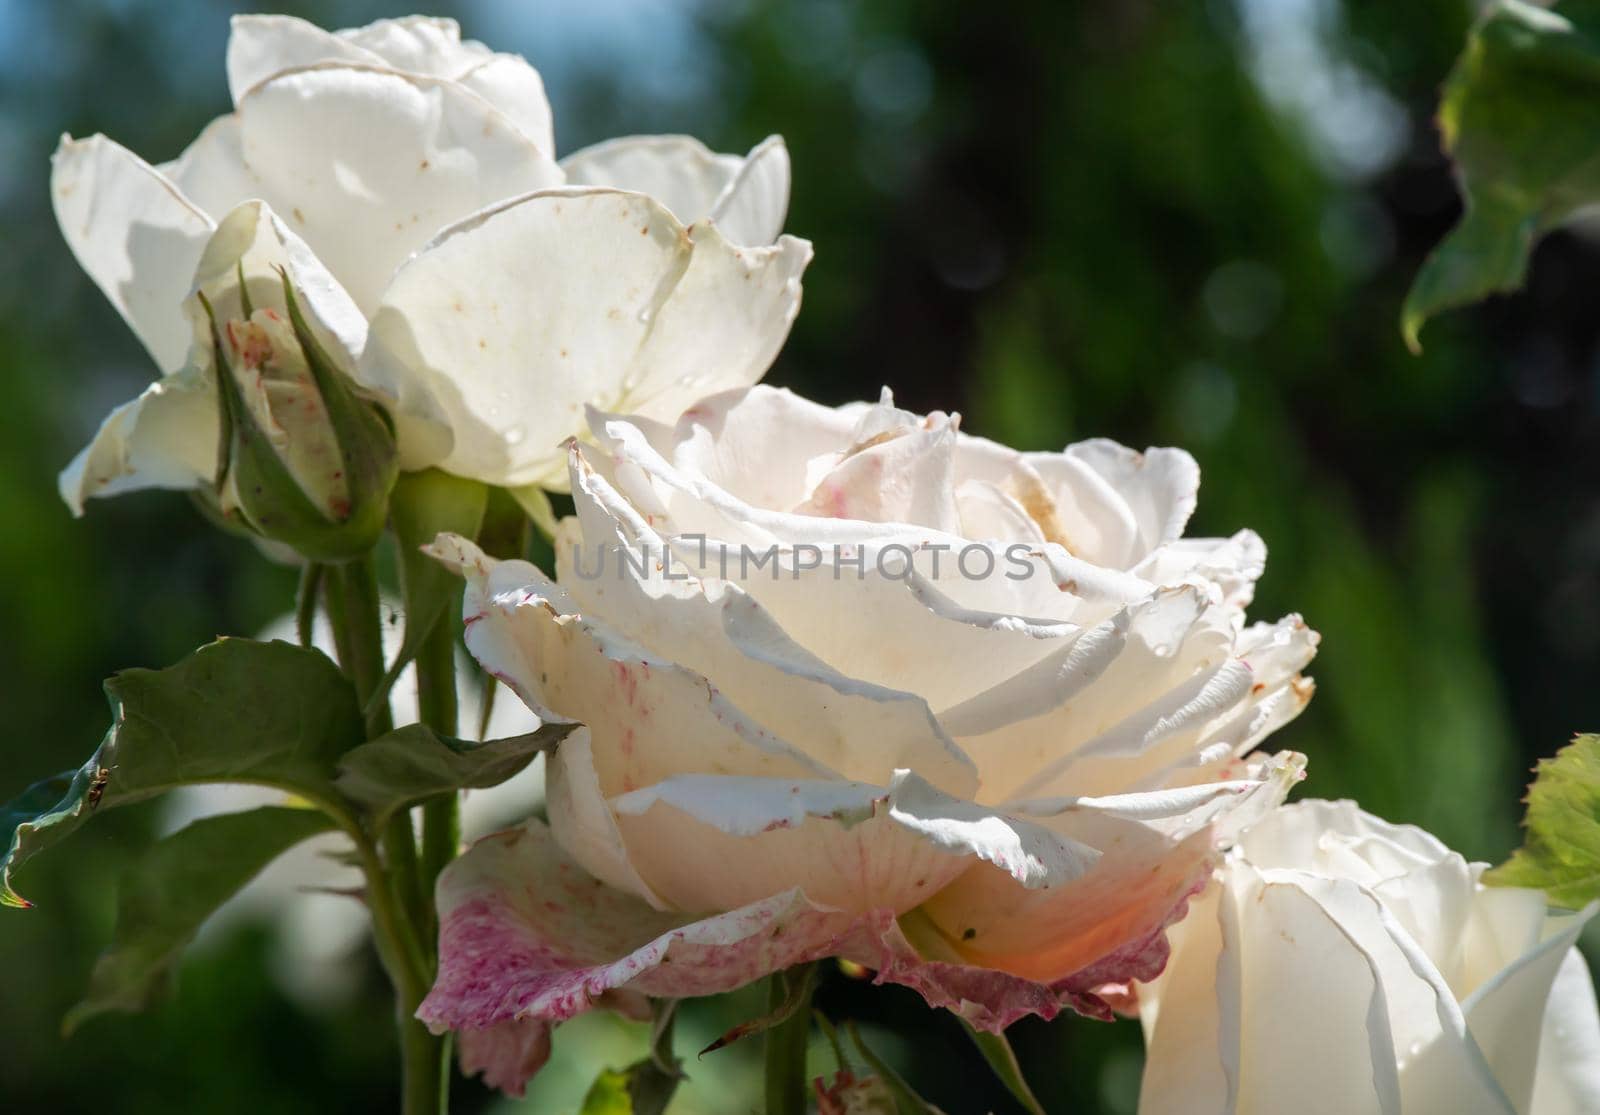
(656, 275)
(1344, 964)
(857, 684)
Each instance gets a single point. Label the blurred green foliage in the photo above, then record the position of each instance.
(1166, 223)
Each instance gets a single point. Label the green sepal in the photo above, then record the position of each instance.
(1003, 1060)
(271, 714)
(1520, 116)
(412, 764)
(906, 1100)
(173, 889)
(535, 503)
(366, 440)
(1560, 854)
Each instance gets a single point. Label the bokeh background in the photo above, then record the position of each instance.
(1166, 223)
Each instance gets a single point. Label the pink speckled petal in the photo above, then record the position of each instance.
(506, 1055)
(529, 939)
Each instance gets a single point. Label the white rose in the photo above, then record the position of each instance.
(366, 146)
(1342, 964)
(996, 789)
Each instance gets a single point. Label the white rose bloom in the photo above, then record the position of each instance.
(1345, 965)
(365, 147)
(1013, 710)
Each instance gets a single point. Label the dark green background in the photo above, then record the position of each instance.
(1062, 219)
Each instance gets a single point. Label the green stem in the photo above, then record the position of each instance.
(305, 602)
(786, 1047)
(436, 704)
(363, 643)
(394, 890)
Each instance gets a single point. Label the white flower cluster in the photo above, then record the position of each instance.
(1022, 780)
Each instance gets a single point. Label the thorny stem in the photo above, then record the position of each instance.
(436, 706)
(786, 1047)
(394, 886)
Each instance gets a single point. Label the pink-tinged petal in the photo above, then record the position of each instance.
(505, 1055)
(1107, 926)
(895, 469)
(1110, 922)
(528, 939)
(526, 933)
(508, 1054)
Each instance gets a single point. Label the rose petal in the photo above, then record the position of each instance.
(1154, 855)
(1118, 504)
(507, 1054)
(524, 933)
(1229, 567)
(1503, 1012)
(1111, 919)
(212, 171)
(526, 938)
(165, 438)
(510, 322)
(845, 844)
(1148, 671)
(648, 718)
(1183, 1067)
(747, 197)
(254, 241)
(137, 236)
(583, 822)
(752, 207)
(1568, 1081)
(261, 46)
(860, 730)
(368, 164)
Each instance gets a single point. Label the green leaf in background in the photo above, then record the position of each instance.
(1561, 852)
(998, 1052)
(271, 714)
(1520, 116)
(411, 764)
(180, 882)
(423, 505)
